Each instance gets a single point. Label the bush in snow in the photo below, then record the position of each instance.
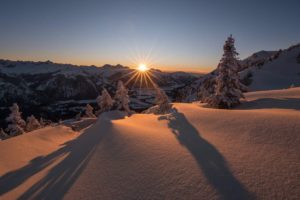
(89, 111)
(277, 54)
(228, 91)
(16, 123)
(121, 98)
(78, 116)
(104, 101)
(3, 135)
(42, 122)
(32, 123)
(162, 101)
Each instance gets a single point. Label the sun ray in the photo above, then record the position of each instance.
(139, 74)
(153, 76)
(142, 80)
(146, 80)
(149, 77)
(134, 75)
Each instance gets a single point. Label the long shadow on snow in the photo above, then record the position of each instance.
(62, 175)
(209, 159)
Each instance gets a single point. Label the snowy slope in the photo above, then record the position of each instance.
(257, 58)
(279, 73)
(194, 153)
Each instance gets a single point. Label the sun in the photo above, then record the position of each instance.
(142, 68)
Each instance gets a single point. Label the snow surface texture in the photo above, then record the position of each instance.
(249, 152)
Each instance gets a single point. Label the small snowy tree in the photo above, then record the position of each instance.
(228, 89)
(121, 98)
(89, 111)
(32, 123)
(104, 101)
(16, 123)
(162, 101)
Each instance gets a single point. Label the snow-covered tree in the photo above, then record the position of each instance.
(104, 101)
(32, 123)
(162, 101)
(228, 89)
(16, 123)
(89, 111)
(121, 97)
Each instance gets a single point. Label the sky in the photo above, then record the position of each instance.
(166, 34)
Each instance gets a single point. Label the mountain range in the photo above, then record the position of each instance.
(59, 91)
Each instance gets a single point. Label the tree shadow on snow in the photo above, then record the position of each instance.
(75, 154)
(209, 159)
(269, 103)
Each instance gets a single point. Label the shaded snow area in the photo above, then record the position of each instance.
(279, 73)
(195, 152)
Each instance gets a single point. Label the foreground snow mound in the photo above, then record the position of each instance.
(194, 153)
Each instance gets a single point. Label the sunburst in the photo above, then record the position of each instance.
(142, 73)
(142, 68)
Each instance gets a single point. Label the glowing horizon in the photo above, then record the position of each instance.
(167, 35)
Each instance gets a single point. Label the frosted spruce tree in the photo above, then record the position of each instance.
(89, 111)
(121, 98)
(32, 123)
(162, 101)
(16, 123)
(228, 88)
(104, 101)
